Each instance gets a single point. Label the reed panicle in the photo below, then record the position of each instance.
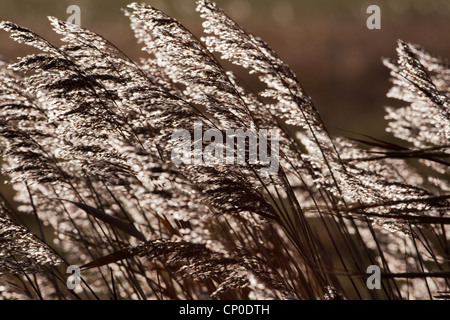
(86, 136)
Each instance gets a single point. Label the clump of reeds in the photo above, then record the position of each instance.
(85, 136)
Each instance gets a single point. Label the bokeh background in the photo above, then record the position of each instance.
(326, 42)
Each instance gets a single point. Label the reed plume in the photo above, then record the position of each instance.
(85, 138)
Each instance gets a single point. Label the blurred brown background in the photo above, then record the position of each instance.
(326, 42)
